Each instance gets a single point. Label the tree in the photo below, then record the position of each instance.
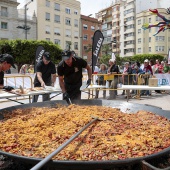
(23, 51)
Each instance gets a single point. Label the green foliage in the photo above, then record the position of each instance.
(105, 59)
(24, 51)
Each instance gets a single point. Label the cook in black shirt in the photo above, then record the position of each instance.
(70, 75)
(45, 75)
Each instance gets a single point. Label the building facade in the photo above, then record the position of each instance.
(11, 20)
(88, 27)
(122, 27)
(58, 22)
(146, 42)
(8, 19)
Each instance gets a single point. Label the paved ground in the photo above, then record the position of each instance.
(159, 100)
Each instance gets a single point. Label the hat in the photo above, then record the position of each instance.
(146, 61)
(66, 54)
(8, 58)
(47, 56)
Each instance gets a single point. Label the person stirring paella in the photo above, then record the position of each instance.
(70, 75)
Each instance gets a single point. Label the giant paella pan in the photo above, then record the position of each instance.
(119, 137)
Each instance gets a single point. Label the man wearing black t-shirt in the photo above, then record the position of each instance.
(45, 75)
(70, 75)
(6, 61)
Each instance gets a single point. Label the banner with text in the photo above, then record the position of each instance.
(163, 79)
(96, 46)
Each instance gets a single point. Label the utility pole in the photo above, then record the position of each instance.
(25, 27)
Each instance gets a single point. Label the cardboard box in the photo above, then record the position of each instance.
(153, 82)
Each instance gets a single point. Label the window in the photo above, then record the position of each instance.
(85, 37)
(57, 6)
(68, 11)
(139, 40)
(85, 27)
(75, 12)
(68, 33)
(76, 23)
(76, 34)
(139, 31)
(149, 20)
(4, 25)
(150, 39)
(47, 3)
(57, 31)
(115, 16)
(76, 45)
(57, 41)
(4, 12)
(160, 38)
(159, 48)
(47, 29)
(57, 18)
(139, 21)
(92, 28)
(68, 21)
(149, 49)
(47, 16)
(85, 48)
(139, 50)
(48, 39)
(68, 44)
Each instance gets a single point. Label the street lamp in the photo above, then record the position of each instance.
(25, 27)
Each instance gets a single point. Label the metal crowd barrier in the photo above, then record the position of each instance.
(129, 79)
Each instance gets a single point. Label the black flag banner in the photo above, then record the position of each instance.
(39, 52)
(96, 46)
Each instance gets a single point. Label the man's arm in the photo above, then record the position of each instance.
(53, 79)
(39, 76)
(61, 82)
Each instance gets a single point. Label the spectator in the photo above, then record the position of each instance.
(96, 70)
(166, 68)
(152, 64)
(31, 69)
(6, 61)
(70, 75)
(113, 69)
(45, 75)
(157, 66)
(100, 80)
(147, 70)
(126, 77)
(23, 69)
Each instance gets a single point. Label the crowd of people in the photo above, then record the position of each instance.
(130, 75)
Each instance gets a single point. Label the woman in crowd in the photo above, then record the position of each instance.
(100, 79)
(23, 69)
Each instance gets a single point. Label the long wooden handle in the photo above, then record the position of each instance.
(50, 156)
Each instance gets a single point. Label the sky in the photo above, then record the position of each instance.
(87, 6)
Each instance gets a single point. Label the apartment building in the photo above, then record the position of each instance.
(105, 17)
(121, 27)
(127, 42)
(87, 28)
(11, 21)
(146, 42)
(58, 22)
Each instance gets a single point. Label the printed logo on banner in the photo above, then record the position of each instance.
(163, 82)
